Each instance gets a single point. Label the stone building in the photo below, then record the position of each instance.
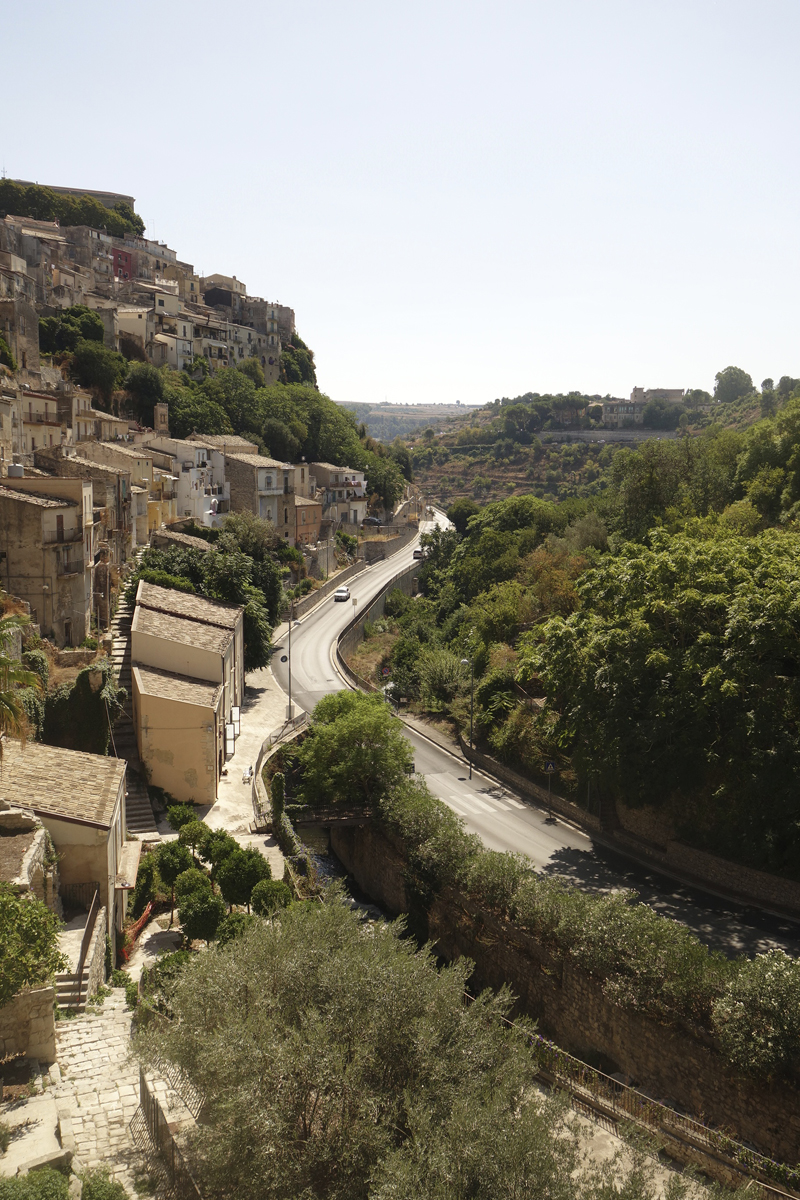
(80, 800)
(46, 531)
(262, 486)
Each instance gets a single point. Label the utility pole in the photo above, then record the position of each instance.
(290, 710)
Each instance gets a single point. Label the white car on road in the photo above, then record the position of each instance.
(342, 593)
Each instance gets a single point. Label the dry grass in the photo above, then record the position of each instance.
(371, 653)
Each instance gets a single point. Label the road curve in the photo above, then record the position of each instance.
(504, 820)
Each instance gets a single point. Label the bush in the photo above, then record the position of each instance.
(122, 979)
(239, 874)
(179, 815)
(36, 661)
(146, 885)
(277, 794)
(268, 896)
(757, 1019)
(233, 926)
(98, 1185)
(44, 1184)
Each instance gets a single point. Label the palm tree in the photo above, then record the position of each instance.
(13, 677)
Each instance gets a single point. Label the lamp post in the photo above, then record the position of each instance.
(290, 709)
(471, 663)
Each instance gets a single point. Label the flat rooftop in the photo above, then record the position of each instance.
(184, 604)
(61, 783)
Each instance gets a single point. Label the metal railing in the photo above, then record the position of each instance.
(86, 942)
(182, 1184)
(57, 536)
(587, 1084)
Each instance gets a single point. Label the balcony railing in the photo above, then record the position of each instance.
(35, 418)
(56, 536)
(70, 566)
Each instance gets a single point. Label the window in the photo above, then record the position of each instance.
(303, 516)
(286, 516)
(161, 304)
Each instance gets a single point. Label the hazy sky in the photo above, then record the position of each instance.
(460, 200)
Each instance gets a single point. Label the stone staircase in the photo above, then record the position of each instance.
(67, 993)
(140, 819)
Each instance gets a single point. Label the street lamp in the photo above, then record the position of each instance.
(290, 709)
(468, 662)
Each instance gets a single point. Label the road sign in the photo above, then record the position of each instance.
(284, 658)
(385, 672)
(550, 768)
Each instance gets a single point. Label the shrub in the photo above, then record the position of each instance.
(277, 795)
(146, 885)
(268, 896)
(44, 1184)
(98, 1185)
(233, 926)
(239, 874)
(36, 661)
(179, 815)
(194, 834)
(757, 1018)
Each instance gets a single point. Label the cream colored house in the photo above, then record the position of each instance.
(180, 733)
(80, 800)
(187, 656)
(226, 617)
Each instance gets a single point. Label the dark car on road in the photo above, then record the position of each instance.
(370, 521)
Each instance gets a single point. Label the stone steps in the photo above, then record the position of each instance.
(138, 809)
(67, 993)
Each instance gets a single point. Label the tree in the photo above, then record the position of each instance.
(6, 357)
(218, 846)
(252, 368)
(757, 1019)
(144, 384)
(239, 874)
(787, 385)
(195, 835)
(29, 946)
(172, 859)
(200, 915)
(340, 1067)
(93, 366)
(191, 411)
(384, 480)
(730, 384)
(279, 439)
(355, 751)
(268, 896)
(277, 790)
(460, 512)
(189, 883)
(71, 325)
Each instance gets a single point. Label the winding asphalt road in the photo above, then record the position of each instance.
(506, 821)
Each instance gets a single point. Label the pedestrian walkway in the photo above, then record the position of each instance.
(96, 1088)
(138, 809)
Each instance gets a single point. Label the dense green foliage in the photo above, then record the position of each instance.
(6, 357)
(29, 948)
(95, 367)
(287, 420)
(243, 566)
(354, 752)
(342, 1066)
(42, 204)
(70, 326)
(45, 1184)
(268, 896)
(642, 638)
(644, 961)
(80, 715)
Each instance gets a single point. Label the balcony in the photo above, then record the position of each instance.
(70, 566)
(35, 418)
(57, 536)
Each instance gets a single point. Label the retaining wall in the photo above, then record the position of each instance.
(675, 1065)
(28, 1025)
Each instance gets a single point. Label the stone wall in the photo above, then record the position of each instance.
(770, 890)
(678, 1066)
(95, 965)
(353, 635)
(28, 1025)
(650, 824)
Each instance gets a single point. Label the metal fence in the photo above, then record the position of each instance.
(585, 1083)
(78, 896)
(182, 1185)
